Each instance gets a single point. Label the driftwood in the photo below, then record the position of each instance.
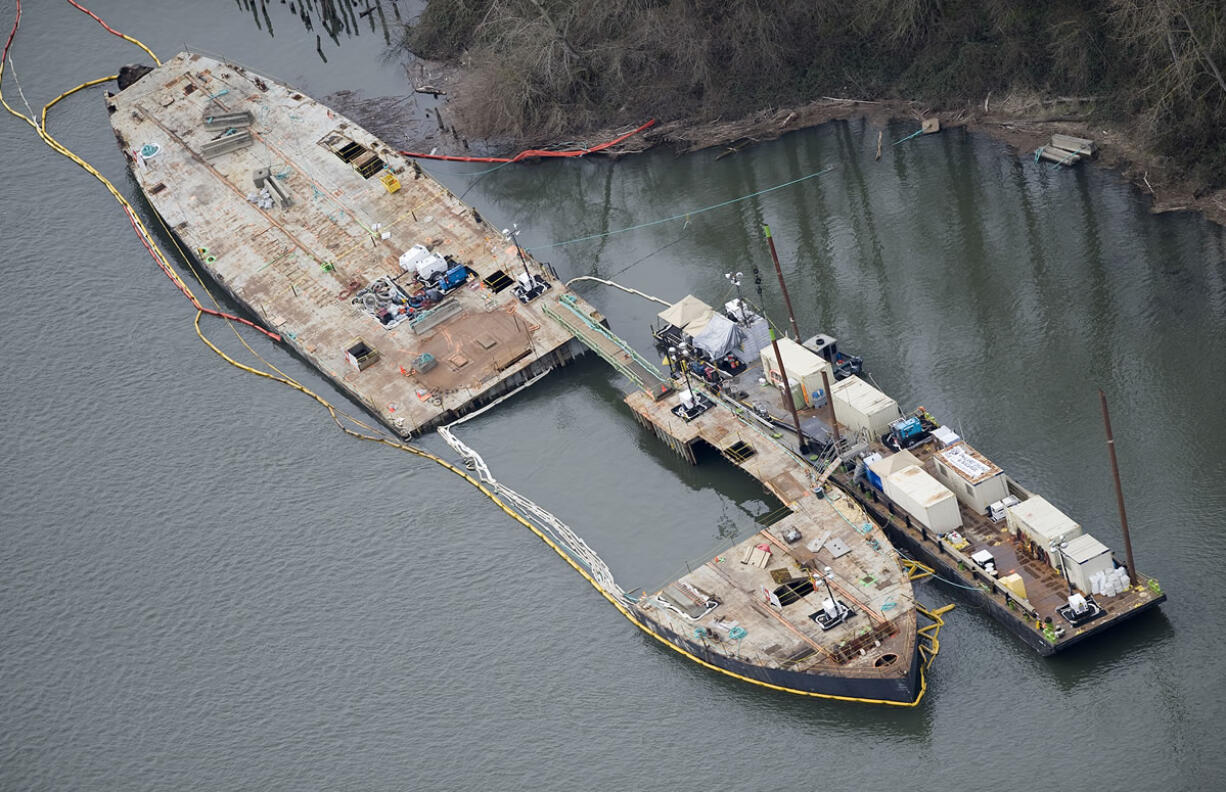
(851, 101)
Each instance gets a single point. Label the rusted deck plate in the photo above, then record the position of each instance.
(787, 479)
(296, 267)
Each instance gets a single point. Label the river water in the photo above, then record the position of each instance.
(204, 585)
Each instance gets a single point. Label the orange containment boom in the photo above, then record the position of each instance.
(532, 153)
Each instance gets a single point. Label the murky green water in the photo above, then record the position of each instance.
(204, 585)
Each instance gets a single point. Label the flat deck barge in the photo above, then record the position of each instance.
(321, 230)
(1035, 617)
(941, 502)
(303, 217)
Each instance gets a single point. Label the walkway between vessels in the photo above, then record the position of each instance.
(589, 330)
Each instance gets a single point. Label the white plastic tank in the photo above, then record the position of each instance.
(409, 258)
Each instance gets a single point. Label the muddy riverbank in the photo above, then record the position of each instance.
(424, 122)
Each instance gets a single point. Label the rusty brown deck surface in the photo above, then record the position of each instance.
(866, 573)
(296, 267)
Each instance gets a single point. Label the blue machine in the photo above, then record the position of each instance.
(907, 431)
(452, 278)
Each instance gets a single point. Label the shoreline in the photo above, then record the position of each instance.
(423, 123)
(1015, 124)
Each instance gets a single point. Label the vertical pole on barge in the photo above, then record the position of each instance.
(782, 286)
(1119, 490)
(519, 251)
(834, 424)
(801, 445)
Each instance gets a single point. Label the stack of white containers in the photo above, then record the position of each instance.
(1108, 584)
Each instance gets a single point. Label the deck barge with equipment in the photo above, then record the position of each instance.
(941, 502)
(413, 305)
(371, 270)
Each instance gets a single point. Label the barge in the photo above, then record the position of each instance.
(414, 306)
(369, 269)
(941, 502)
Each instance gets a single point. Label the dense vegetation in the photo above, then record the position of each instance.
(540, 67)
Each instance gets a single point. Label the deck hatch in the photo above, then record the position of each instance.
(350, 151)
(497, 280)
(739, 451)
(368, 165)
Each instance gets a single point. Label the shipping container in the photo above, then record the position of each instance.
(1040, 522)
(858, 405)
(801, 365)
(881, 468)
(1085, 556)
(924, 498)
(973, 478)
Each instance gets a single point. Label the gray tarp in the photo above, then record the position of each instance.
(720, 337)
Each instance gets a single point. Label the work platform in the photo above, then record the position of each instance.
(313, 248)
(873, 654)
(1034, 617)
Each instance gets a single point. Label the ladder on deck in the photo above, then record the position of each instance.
(828, 472)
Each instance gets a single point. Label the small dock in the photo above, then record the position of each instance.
(303, 217)
(1066, 150)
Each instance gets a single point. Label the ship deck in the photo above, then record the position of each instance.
(1046, 588)
(300, 267)
(877, 642)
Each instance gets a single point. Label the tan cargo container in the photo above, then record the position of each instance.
(802, 365)
(1040, 522)
(858, 405)
(1083, 557)
(972, 477)
(924, 498)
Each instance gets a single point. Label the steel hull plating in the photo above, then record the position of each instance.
(902, 689)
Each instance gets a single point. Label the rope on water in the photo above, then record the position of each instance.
(916, 133)
(687, 215)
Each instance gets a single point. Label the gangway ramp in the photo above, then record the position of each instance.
(616, 352)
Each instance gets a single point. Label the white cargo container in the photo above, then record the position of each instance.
(945, 436)
(1084, 557)
(924, 498)
(972, 477)
(802, 365)
(858, 405)
(882, 468)
(1038, 521)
